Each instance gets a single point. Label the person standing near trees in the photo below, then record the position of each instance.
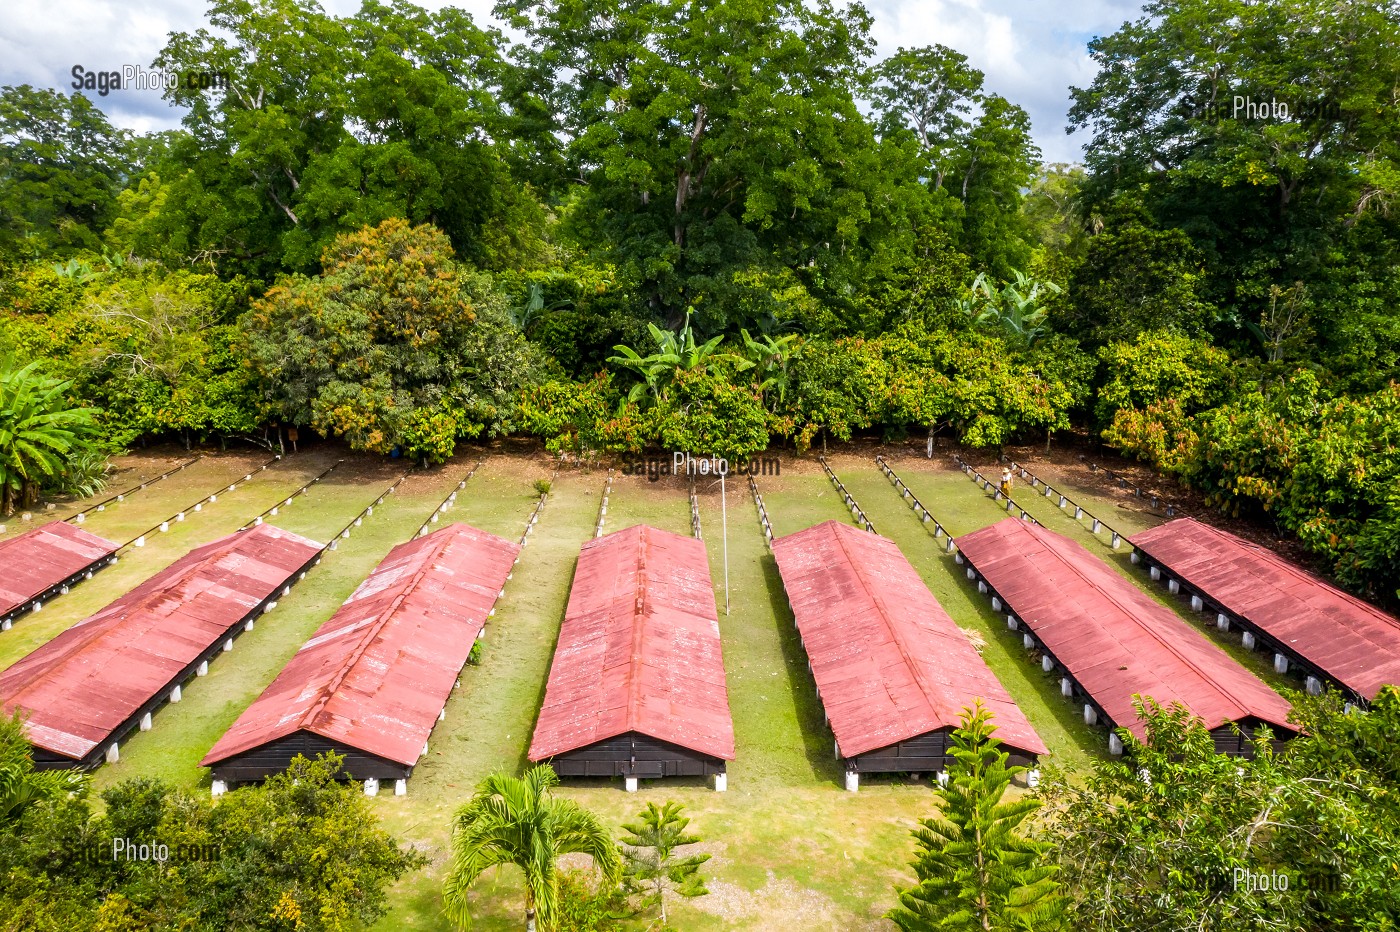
(1006, 481)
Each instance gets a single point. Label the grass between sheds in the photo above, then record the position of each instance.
(791, 848)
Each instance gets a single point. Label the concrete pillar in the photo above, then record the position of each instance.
(176, 694)
(971, 573)
(1280, 663)
(1135, 557)
(140, 541)
(228, 644)
(38, 606)
(199, 507)
(1078, 512)
(213, 499)
(442, 714)
(1033, 777)
(202, 669)
(1027, 641)
(6, 625)
(721, 782)
(146, 722)
(1117, 539)
(952, 546)
(996, 604)
(1197, 603)
(1011, 622)
(401, 787)
(1066, 687)
(1097, 524)
(1091, 715)
(1047, 663)
(1314, 686)
(1173, 586)
(1248, 640)
(1222, 621)
(371, 787)
(218, 788)
(630, 784)
(248, 625)
(982, 586)
(1063, 501)
(852, 781)
(114, 753)
(164, 526)
(1115, 744)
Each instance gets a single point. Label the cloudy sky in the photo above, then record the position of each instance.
(1032, 51)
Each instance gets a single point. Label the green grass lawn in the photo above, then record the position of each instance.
(791, 848)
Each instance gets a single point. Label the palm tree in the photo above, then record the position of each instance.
(514, 820)
(21, 786)
(39, 432)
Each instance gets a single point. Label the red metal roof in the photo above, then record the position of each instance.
(42, 558)
(82, 686)
(1349, 640)
(639, 650)
(889, 662)
(1112, 638)
(378, 672)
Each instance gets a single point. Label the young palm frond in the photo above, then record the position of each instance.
(514, 820)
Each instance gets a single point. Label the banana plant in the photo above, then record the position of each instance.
(1014, 307)
(771, 356)
(675, 352)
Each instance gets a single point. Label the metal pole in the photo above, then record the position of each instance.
(724, 521)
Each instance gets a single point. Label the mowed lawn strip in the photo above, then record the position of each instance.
(491, 717)
(183, 732)
(137, 564)
(1059, 722)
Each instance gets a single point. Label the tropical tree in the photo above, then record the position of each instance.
(39, 431)
(21, 786)
(653, 865)
(975, 870)
(515, 820)
(771, 356)
(676, 351)
(1017, 306)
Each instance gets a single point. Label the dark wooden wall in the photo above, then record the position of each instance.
(1242, 744)
(635, 755)
(926, 753)
(265, 760)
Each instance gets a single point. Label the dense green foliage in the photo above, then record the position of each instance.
(44, 439)
(713, 227)
(976, 869)
(302, 851)
(1175, 835)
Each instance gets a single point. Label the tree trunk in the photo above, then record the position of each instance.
(530, 919)
(930, 443)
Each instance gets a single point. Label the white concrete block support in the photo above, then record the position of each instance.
(1047, 663)
(442, 714)
(202, 669)
(1313, 686)
(721, 782)
(1222, 621)
(1033, 777)
(401, 787)
(176, 694)
(1248, 639)
(1028, 641)
(114, 753)
(1197, 604)
(630, 784)
(852, 781)
(1115, 744)
(371, 787)
(1091, 715)
(1280, 663)
(146, 722)
(982, 586)
(1011, 622)
(1135, 557)
(228, 644)
(1155, 573)
(1066, 687)
(218, 788)
(248, 625)
(1173, 586)
(996, 604)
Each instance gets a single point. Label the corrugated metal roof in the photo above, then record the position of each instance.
(82, 686)
(889, 662)
(1349, 640)
(639, 650)
(378, 672)
(1114, 639)
(44, 557)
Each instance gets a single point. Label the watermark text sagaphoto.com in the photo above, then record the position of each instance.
(134, 77)
(683, 464)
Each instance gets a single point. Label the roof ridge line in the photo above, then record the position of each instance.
(1209, 680)
(634, 680)
(885, 616)
(368, 634)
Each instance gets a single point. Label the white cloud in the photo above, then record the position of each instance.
(1031, 51)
